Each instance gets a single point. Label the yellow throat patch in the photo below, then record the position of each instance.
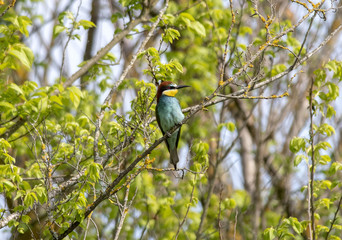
(171, 92)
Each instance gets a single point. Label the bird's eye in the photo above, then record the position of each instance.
(172, 87)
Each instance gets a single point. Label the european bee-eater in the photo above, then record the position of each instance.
(169, 113)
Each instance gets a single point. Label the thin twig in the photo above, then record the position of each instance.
(210, 101)
(311, 209)
(97, 229)
(253, 97)
(219, 214)
(304, 41)
(103, 51)
(207, 201)
(124, 212)
(189, 7)
(8, 8)
(227, 42)
(187, 210)
(86, 230)
(69, 38)
(235, 224)
(335, 217)
(193, 110)
(122, 77)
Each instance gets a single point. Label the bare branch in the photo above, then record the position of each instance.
(335, 217)
(8, 8)
(102, 52)
(122, 77)
(124, 212)
(187, 209)
(311, 208)
(68, 41)
(192, 111)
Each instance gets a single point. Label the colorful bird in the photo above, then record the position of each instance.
(169, 113)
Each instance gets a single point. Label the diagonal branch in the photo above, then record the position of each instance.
(192, 111)
(335, 218)
(210, 101)
(121, 79)
(102, 52)
(19, 122)
(124, 211)
(8, 8)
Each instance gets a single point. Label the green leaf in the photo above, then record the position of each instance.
(110, 56)
(81, 200)
(9, 186)
(231, 126)
(324, 202)
(43, 104)
(4, 144)
(56, 99)
(325, 159)
(230, 203)
(93, 171)
(21, 228)
(335, 167)
(29, 199)
(293, 42)
(298, 159)
(25, 219)
(220, 126)
(278, 69)
(41, 192)
(326, 184)
(246, 30)
(177, 65)
(337, 226)
(297, 227)
(323, 145)
(75, 95)
(18, 91)
(242, 199)
(86, 24)
(8, 158)
(333, 91)
(153, 52)
(23, 54)
(242, 46)
(331, 65)
(297, 144)
(185, 15)
(330, 111)
(198, 28)
(4, 29)
(334, 237)
(170, 34)
(83, 121)
(23, 22)
(167, 19)
(322, 229)
(326, 129)
(58, 29)
(269, 234)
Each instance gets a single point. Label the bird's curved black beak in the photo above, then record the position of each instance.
(182, 86)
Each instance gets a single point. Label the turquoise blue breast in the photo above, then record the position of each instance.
(169, 113)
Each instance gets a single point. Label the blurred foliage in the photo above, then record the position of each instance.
(47, 131)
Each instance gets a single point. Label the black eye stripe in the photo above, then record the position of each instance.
(168, 87)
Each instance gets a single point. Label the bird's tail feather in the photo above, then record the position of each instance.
(174, 157)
